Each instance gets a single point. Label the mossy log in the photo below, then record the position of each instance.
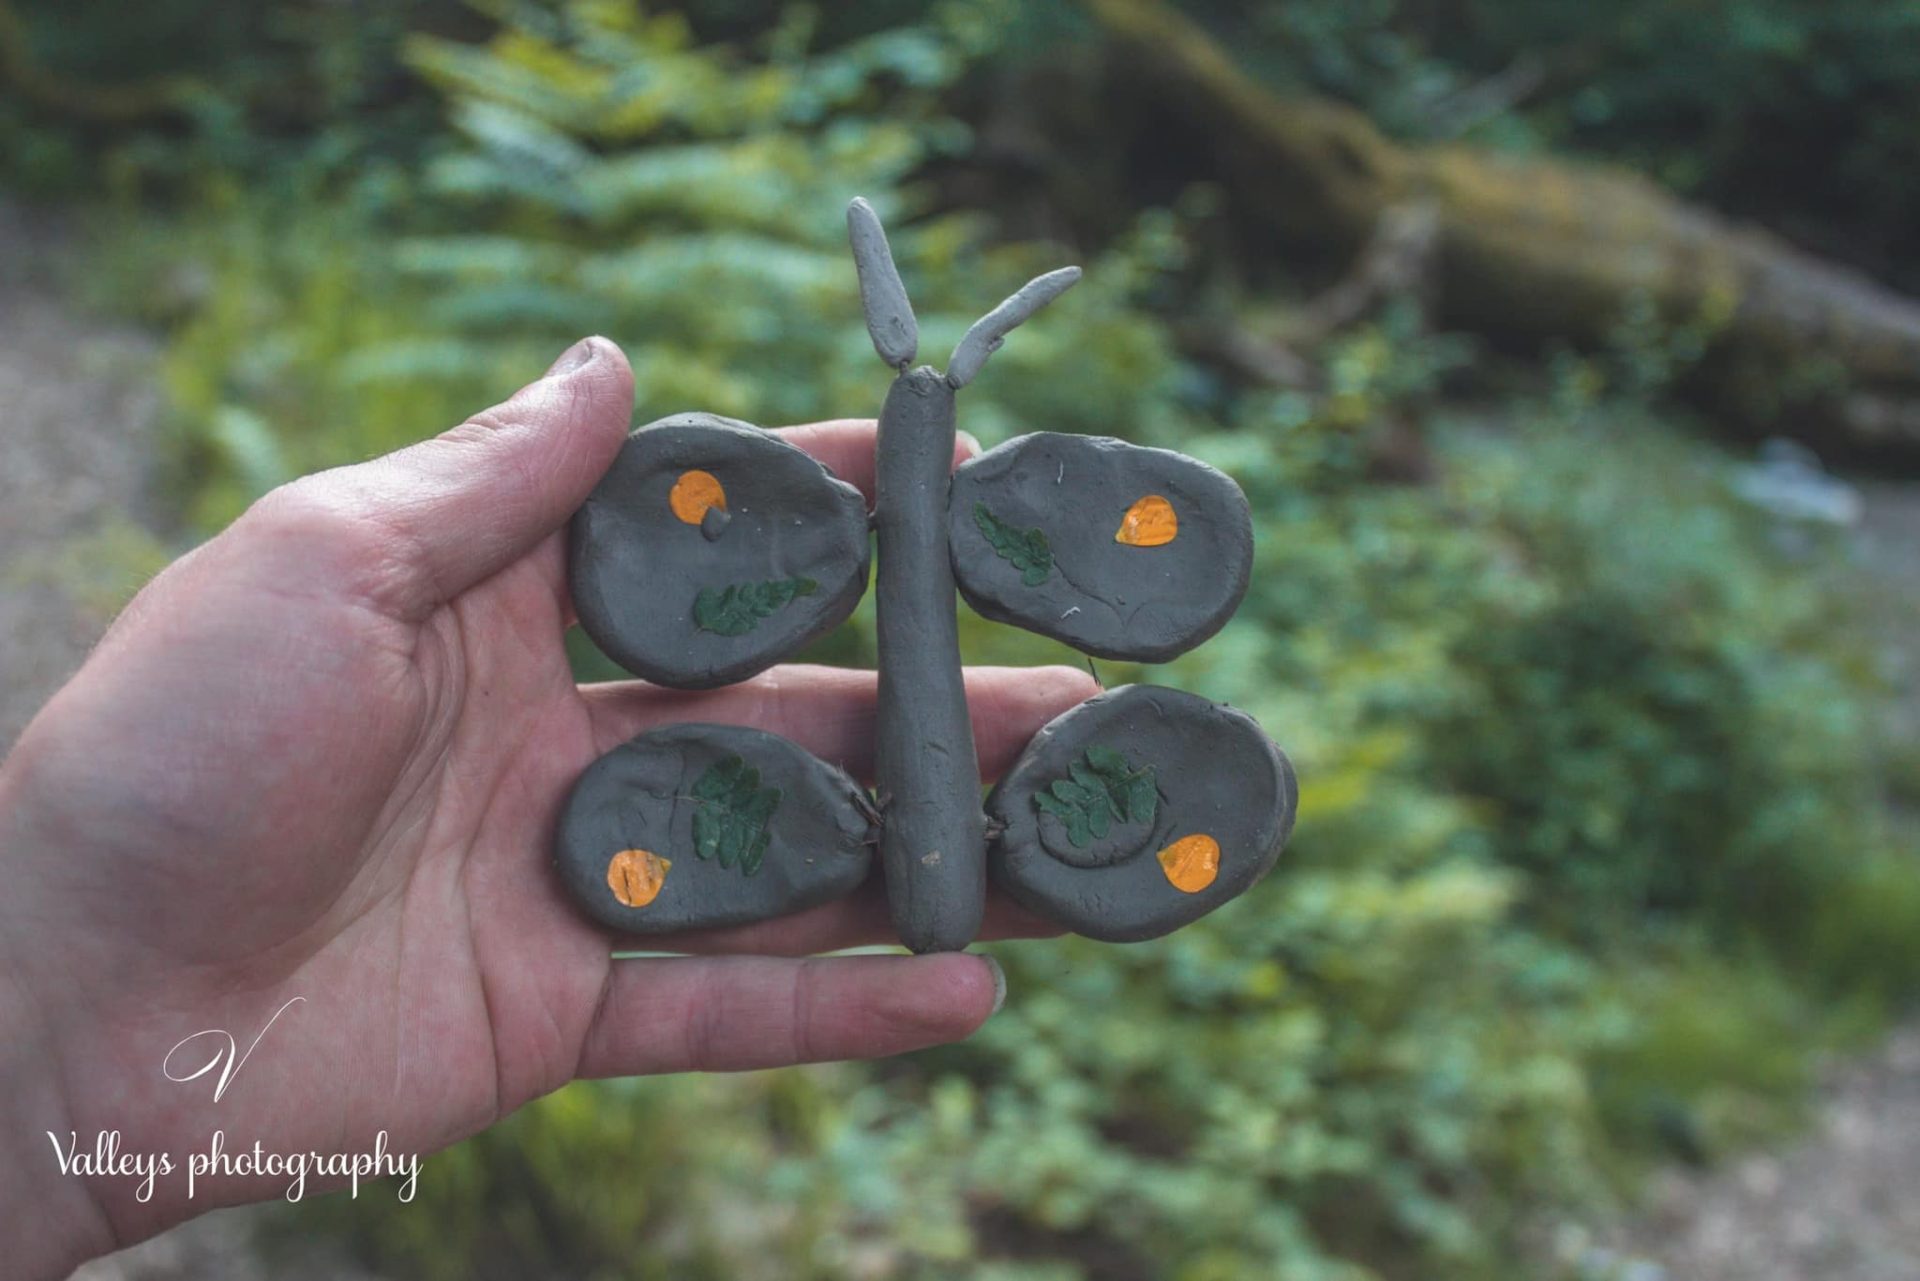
(1541, 249)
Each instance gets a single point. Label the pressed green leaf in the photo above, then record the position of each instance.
(1098, 793)
(1072, 793)
(1143, 798)
(718, 779)
(1099, 815)
(1025, 549)
(759, 808)
(1078, 830)
(750, 860)
(706, 833)
(731, 813)
(1051, 804)
(738, 609)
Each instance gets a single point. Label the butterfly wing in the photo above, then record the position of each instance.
(699, 826)
(1145, 808)
(712, 550)
(1140, 811)
(1121, 551)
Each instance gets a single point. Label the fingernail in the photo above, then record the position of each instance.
(971, 441)
(999, 984)
(573, 358)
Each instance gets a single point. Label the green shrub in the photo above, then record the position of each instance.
(1666, 721)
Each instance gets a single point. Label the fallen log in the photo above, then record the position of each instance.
(1539, 250)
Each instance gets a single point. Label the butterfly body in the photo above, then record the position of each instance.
(932, 837)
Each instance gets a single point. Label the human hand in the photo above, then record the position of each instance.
(322, 756)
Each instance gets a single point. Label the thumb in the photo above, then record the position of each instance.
(456, 509)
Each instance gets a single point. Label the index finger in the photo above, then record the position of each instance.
(846, 445)
(861, 919)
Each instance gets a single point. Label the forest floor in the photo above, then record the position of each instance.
(79, 429)
(1841, 1203)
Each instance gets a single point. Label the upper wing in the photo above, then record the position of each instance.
(712, 550)
(1120, 551)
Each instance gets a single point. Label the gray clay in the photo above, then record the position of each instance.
(986, 334)
(1214, 774)
(890, 322)
(791, 543)
(932, 839)
(1112, 599)
(712, 550)
(644, 800)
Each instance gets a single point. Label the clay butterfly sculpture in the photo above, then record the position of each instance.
(712, 550)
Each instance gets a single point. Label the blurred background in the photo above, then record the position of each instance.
(1563, 352)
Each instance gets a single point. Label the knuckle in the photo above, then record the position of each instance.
(481, 427)
(334, 526)
(292, 507)
(325, 508)
(519, 475)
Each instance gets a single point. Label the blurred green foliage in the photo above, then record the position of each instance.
(1795, 112)
(99, 95)
(1590, 863)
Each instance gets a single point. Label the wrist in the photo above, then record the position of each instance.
(49, 1220)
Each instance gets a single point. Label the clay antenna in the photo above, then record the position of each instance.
(991, 330)
(890, 322)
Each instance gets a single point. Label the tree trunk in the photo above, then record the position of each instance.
(1549, 249)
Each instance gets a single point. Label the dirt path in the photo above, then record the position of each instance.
(78, 408)
(1842, 1203)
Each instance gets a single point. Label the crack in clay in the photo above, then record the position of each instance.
(1125, 620)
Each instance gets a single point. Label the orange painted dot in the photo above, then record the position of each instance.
(1191, 862)
(1148, 523)
(635, 876)
(694, 493)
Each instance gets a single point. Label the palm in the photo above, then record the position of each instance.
(389, 875)
(301, 767)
